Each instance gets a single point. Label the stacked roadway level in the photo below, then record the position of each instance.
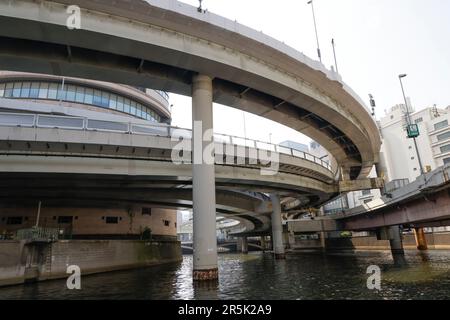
(170, 46)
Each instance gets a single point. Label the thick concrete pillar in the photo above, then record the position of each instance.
(323, 240)
(203, 182)
(395, 240)
(277, 228)
(381, 168)
(291, 240)
(345, 174)
(393, 234)
(382, 172)
(244, 245)
(263, 243)
(421, 240)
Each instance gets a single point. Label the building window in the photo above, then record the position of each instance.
(410, 147)
(366, 192)
(419, 120)
(412, 158)
(52, 91)
(34, 90)
(112, 220)
(415, 169)
(443, 136)
(25, 93)
(392, 117)
(445, 148)
(441, 125)
(367, 201)
(146, 211)
(65, 219)
(71, 91)
(16, 89)
(79, 94)
(166, 223)
(43, 91)
(14, 220)
(446, 160)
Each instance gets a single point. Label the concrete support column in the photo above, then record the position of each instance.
(291, 240)
(323, 240)
(395, 240)
(381, 168)
(421, 240)
(203, 182)
(345, 174)
(277, 228)
(244, 245)
(263, 243)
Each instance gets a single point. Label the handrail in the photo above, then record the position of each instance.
(80, 123)
(163, 94)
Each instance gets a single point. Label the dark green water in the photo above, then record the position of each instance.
(259, 276)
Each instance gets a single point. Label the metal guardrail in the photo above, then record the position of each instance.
(163, 94)
(37, 234)
(78, 123)
(395, 184)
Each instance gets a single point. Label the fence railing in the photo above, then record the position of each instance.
(163, 94)
(37, 234)
(395, 184)
(78, 123)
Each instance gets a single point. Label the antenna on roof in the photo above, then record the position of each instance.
(372, 104)
(199, 9)
(435, 111)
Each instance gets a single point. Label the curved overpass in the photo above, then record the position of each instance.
(162, 44)
(71, 159)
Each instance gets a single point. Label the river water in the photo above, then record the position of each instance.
(258, 276)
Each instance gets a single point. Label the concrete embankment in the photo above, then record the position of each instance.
(22, 261)
(435, 241)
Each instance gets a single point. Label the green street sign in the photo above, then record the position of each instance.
(413, 131)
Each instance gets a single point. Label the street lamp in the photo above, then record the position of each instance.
(315, 27)
(412, 129)
(334, 53)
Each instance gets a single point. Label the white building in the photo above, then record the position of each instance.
(399, 151)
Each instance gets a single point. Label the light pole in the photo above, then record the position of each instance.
(334, 53)
(315, 27)
(408, 120)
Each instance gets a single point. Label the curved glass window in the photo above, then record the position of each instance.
(78, 94)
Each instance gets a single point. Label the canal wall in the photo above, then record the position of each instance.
(435, 241)
(22, 261)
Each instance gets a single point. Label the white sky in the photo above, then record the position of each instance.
(375, 41)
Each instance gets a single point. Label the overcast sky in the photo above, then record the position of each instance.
(375, 41)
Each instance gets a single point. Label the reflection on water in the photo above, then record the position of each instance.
(426, 275)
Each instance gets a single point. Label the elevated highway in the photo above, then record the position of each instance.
(162, 44)
(420, 204)
(61, 159)
(170, 46)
